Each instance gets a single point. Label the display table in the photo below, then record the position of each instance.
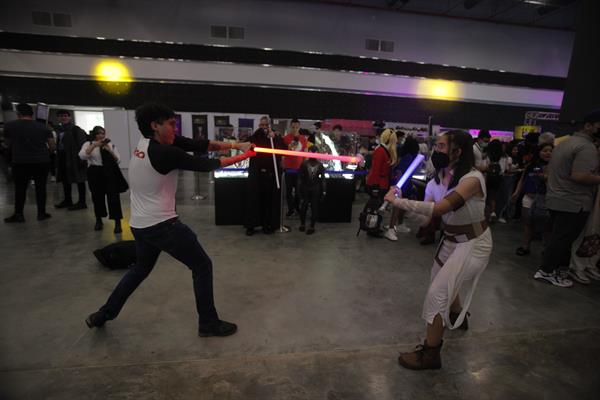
(230, 201)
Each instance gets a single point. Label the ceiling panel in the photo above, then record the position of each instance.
(503, 11)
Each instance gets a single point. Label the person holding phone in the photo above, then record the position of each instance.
(104, 177)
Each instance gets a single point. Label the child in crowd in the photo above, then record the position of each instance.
(311, 185)
(533, 184)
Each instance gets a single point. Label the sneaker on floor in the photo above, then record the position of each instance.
(43, 216)
(77, 206)
(390, 235)
(553, 278)
(502, 220)
(14, 218)
(217, 328)
(63, 204)
(593, 273)
(579, 276)
(289, 213)
(95, 320)
(310, 231)
(403, 228)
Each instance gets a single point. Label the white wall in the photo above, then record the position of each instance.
(309, 27)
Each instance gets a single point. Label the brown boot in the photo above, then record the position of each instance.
(465, 324)
(424, 357)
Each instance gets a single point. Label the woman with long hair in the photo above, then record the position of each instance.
(464, 251)
(104, 177)
(384, 158)
(533, 186)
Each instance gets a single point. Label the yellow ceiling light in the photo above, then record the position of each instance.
(113, 76)
(438, 89)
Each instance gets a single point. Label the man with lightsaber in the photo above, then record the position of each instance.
(153, 172)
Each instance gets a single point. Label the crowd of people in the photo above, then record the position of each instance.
(552, 190)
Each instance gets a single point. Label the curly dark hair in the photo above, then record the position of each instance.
(152, 112)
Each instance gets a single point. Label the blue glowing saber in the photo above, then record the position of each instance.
(409, 171)
(405, 176)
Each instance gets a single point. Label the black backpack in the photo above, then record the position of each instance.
(370, 219)
(119, 255)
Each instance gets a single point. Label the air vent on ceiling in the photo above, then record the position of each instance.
(62, 20)
(41, 18)
(372, 44)
(387, 46)
(235, 32)
(218, 31)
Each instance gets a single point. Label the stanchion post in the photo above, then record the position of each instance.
(197, 195)
(282, 228)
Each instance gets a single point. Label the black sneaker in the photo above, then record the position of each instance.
(310, 231)
(249, 231)
(95, 320)
(98, 226)
(63, 204)
(267, 230)
(43, 216)
(289, 213)
(14, 218)
(77, 206)
(217, 328)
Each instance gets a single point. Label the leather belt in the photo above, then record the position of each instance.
(464, 233)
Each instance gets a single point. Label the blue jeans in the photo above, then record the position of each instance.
(176, 239)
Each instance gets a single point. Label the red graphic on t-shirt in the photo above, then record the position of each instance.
(139, 154)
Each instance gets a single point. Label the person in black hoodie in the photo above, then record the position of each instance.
(104, 177)
(262, 193)
(311, 185)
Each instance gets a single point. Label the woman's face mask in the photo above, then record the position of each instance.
(440, 160)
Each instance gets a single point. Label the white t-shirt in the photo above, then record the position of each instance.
(481, 160)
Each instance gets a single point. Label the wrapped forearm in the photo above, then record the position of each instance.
(225, 161)
(418, 219)
(424, 208)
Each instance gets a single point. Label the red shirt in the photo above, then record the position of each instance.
(295, 143)
(379, 175)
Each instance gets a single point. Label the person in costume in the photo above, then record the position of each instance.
(464, 251)
(262, 193)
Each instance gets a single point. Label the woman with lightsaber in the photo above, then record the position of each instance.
(464, 251)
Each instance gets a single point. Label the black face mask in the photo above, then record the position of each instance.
(440, 160)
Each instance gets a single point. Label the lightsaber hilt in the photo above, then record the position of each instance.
(274, 164)
(405, 176)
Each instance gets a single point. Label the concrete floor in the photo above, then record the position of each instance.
(319, 317)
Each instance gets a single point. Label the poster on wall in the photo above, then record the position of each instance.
(245, 129)
(199, 127)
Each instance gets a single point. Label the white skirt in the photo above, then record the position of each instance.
(463, 264)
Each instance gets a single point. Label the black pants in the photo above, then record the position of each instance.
(22, 173)
(291, 191)
(566, 227)
(176, 239)
(63, 176)
(310, 196)
(98, 186)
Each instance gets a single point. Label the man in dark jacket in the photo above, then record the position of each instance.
(262, 194)
(71, 169)
(30, 144)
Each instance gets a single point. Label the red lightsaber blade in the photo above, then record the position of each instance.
(306, 154)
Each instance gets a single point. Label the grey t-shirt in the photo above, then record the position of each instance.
(28, 141)
(575, 154)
